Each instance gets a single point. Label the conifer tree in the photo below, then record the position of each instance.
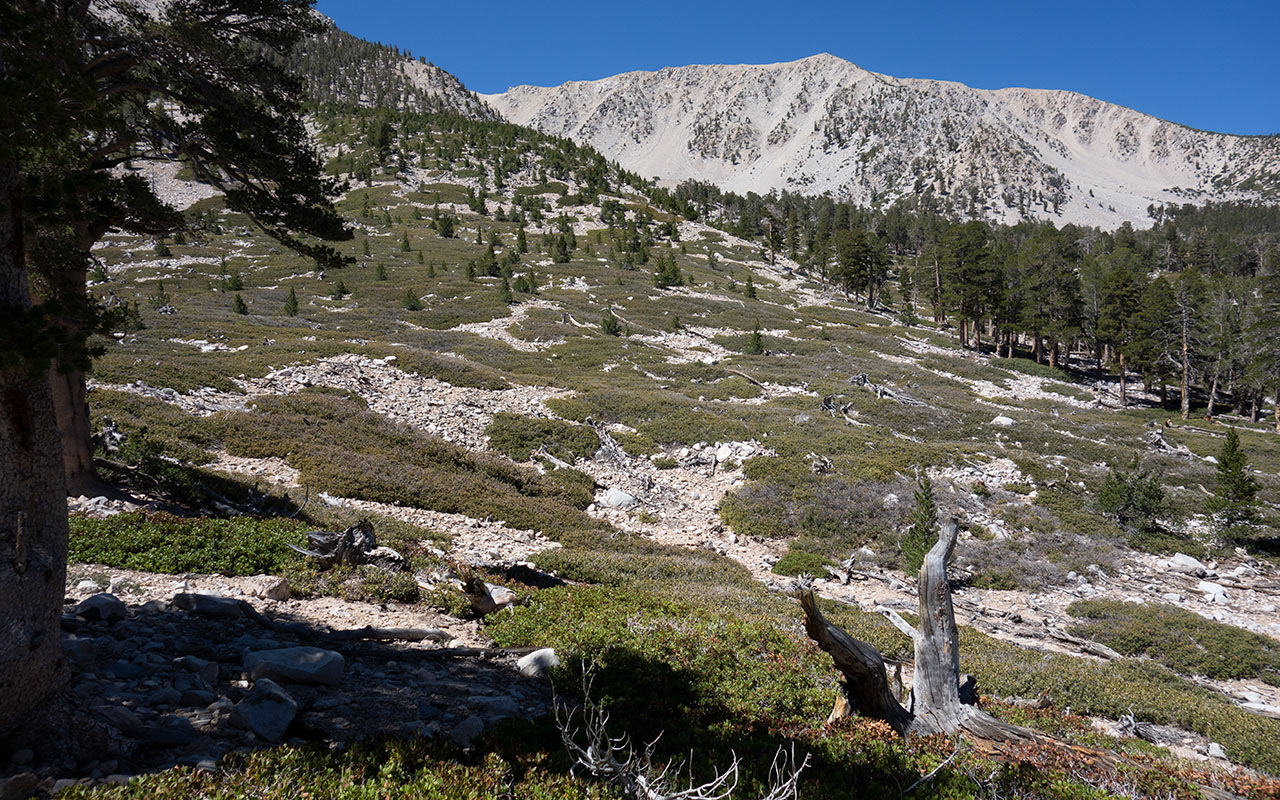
(755, 344)
(291, 304)
(380, 273)
(1233, 506)
(238, 305)
(610, 324)
(411, 301)
(923, 530)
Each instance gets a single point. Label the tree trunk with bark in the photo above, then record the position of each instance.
(936, 705)
(71, 406)
(33, 504)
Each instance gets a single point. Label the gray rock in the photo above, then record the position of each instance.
(270, 587)
(18, 787)
(197, 698)
(296, 664)
(1216, 751)
(170, 732)
(165, 697)
(205, 670)
(23, 756)
(79, 651)
(87, 585)
(1181, 562)
(101, 608)
(496, 708)
(1171, 597)
(464, 732)
(619, 499)
(539, 662)
(1004, 422)
(1213, 592)
(266, 710)
(209, 605)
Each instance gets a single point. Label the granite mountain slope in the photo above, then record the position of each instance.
(823, 124)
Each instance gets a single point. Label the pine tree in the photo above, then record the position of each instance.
(364, 246)
(238, 305)
(610, 324)
(915, 541)
(291, 304)
(755, 345)
(380, 273)
(431, 270)
(1233, 506)
(411, 301)
(504, 292)
(749, 287)
(667, 274)
(340, 291)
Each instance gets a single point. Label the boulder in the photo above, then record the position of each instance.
(18, 787)
(296, 665)
(1216, 751)
(209, 605)
(102, 607)
(465, 731)
(270, 587)
(1181, 562)
(78, 650)
(206, 670)
(1004, 422)
(538, 663)
(1213, 592)
(266, 710)
(723, 453)
(619, 499)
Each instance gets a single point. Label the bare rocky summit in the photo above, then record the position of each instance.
(823, 124)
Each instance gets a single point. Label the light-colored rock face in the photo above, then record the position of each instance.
(823, 124)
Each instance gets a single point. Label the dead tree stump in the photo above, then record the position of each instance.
(936, 705)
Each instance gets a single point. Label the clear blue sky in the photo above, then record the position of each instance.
(1211, 65)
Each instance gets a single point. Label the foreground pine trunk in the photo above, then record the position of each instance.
(33, 505)
(936, 705)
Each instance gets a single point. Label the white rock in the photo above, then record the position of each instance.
(1003, 421)
(619, 499)
(539, 662)
(724, 452)
(270, 587)
(1181, 562)
(1171, 597)
(1212, 591)
(1216, 751)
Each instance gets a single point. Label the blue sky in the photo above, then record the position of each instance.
(1211, 65)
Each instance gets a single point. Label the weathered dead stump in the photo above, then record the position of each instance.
(352, 547)
(936, 694)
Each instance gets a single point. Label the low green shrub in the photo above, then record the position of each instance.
(165, 543)
(799, 562)
(1028, 367)
(519, 437)
(1181, 640)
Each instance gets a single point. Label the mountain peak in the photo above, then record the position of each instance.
(824, 125)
